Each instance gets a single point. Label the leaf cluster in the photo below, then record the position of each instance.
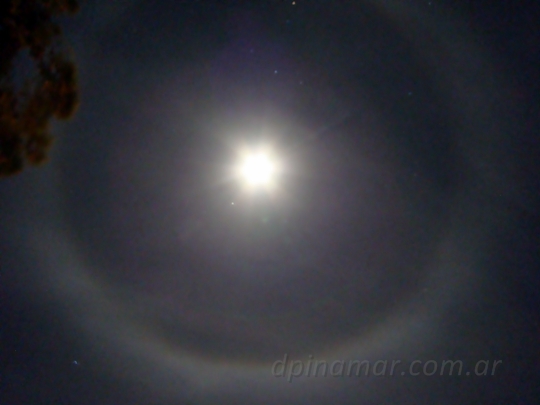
(51, 90)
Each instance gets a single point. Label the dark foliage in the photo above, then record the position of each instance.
(27, 106)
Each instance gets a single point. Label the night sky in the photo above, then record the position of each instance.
(401, 222)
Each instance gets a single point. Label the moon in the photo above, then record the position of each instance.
(257, 169)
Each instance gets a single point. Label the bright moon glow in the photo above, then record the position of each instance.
(257, 169)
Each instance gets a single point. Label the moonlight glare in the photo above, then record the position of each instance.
(257, 169)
